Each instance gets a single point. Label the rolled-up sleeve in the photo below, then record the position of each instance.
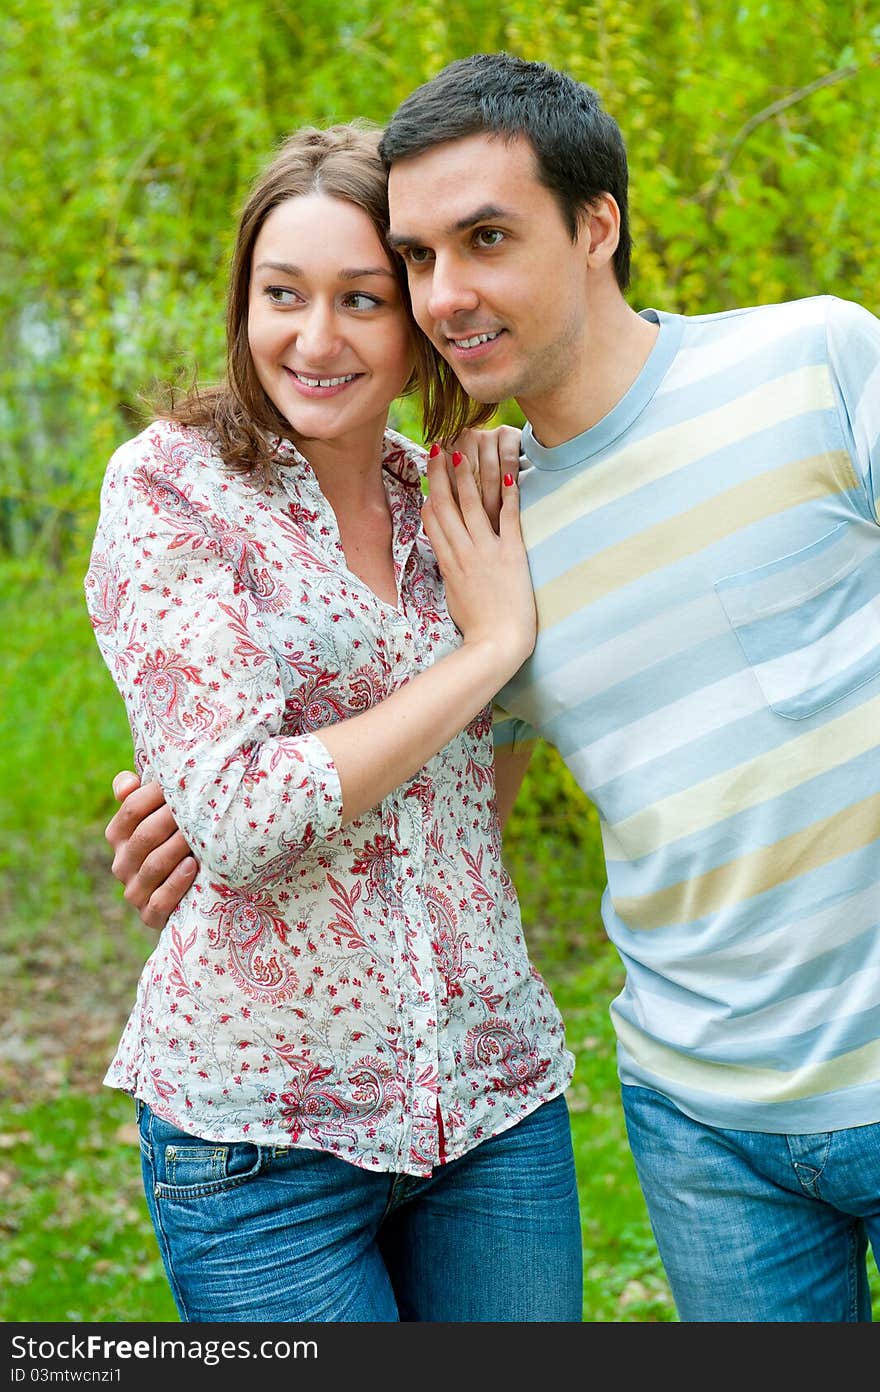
(177, 618)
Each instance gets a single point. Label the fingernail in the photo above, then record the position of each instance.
(434, 451)
(457, 458)
(508, 480)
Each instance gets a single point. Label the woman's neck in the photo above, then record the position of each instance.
(348, 470)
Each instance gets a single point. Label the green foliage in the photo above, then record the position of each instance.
(129, 133)
(63, 734)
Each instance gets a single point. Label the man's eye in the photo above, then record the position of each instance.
(488, 236)
(417, 256)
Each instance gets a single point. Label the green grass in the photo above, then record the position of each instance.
(77, 1246)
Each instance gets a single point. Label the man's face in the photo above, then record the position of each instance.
(497, 284)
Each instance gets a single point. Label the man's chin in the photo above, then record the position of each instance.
(480, 386)
(483, 393)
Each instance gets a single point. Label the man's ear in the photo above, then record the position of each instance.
(599, 230)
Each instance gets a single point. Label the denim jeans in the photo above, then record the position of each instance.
(754, 1226)
(259, 1233)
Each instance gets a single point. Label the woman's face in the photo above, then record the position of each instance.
(329, 334)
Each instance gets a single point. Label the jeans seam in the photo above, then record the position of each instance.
(398, 1182)
(852, 1273)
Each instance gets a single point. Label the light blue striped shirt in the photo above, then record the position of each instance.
(706, 563)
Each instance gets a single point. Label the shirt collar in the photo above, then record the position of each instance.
(401, 458)
(582, 448)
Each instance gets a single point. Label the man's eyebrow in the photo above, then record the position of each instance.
(487, 212)
(349, 273)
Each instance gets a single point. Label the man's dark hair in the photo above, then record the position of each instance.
(579, 149)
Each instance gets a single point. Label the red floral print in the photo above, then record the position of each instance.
(348, 988)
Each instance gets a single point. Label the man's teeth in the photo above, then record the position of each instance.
(323, 381)
(475, 340)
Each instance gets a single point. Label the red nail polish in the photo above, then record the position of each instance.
(457, 458)
(434, 451)
(508, 480)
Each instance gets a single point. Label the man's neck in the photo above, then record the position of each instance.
(618, 345)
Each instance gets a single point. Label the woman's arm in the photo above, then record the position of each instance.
(372, 753)
(489, 596)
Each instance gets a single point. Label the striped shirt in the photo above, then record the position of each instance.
(706, 562)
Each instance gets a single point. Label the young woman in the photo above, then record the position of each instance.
(349, 1079)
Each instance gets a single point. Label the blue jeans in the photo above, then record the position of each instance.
(754, 1226)
(260, 1233)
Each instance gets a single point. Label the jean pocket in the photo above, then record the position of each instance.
(186, 1166)
(809, 622)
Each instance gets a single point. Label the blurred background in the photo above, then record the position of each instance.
(128, 135)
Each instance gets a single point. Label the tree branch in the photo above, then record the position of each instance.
(708, 192)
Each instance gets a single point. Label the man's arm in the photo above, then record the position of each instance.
(510, 770)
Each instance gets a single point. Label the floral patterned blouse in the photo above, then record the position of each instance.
(361, 989)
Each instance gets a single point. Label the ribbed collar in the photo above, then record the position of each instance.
(582, 448)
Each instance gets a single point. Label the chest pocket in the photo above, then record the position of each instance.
(809, 623)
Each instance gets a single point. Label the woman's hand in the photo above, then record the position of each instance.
(491, 454)
(486, 573)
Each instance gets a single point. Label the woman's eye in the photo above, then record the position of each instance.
(359, 299)
(278, 295)
(489, 236)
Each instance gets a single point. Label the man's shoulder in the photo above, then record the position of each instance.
(817, 327)
(812, 309)
(764, 339)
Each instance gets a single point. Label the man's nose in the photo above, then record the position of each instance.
(451, 291)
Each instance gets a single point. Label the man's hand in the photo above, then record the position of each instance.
(151, 860)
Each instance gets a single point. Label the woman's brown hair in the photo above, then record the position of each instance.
(341, 161)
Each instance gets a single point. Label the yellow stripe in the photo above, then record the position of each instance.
(757, 871)
(660, 454)
(857, 1068)
(520, 741)
(745, 785)
(652, 548)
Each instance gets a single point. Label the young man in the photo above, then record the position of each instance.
(701, 517)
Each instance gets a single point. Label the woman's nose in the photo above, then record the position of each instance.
(317, 336)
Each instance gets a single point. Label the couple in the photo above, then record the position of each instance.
(338, 1044)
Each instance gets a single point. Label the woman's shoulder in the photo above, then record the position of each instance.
(165, 460)
(165, 442)
(178, 455)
